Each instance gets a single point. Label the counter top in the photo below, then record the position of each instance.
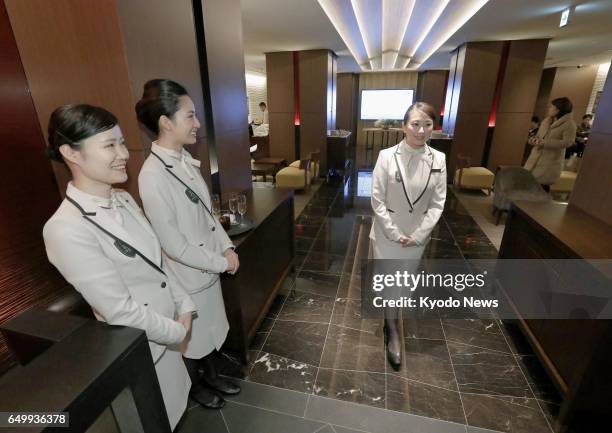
(577, 231)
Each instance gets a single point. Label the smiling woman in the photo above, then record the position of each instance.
(103, 245)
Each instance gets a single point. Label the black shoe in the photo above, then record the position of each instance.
(394, 358)
(206, 398)
(222, 385)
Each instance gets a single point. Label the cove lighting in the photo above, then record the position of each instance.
(338, 16)
(426, 30)
(395, 18)
(468, 12)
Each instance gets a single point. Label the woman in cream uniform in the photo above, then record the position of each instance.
(103, 245)
(408, 195)
(176, 201)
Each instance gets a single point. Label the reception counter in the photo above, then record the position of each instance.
(577, 353)
(266, 257)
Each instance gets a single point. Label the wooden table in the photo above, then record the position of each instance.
(264, 170)
(249, 294)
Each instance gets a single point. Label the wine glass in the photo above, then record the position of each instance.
(233, 204)
(216, 204)
(242, 206)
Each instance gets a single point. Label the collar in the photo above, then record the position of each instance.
(174, 156)
(404, 147)
(89, 202)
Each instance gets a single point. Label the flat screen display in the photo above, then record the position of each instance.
(385, 104)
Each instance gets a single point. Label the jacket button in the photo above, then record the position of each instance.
(163, 285)
(146, 305)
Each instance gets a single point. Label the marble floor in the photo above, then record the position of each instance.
(469, 375)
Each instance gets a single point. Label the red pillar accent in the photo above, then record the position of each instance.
(500, 80)
(296, 86)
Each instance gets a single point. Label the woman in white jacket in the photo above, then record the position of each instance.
(177, 202)
(103, 245)
(408, 195)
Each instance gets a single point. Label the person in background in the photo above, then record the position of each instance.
(583, 131)
(264, 117)
(556, 133)
(178, 204)
(533, 127)
(103, 245)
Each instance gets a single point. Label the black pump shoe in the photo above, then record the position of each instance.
(222, 385)
(206, 398)
(394, 358)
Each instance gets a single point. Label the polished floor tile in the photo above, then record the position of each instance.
(303, 244)
(317, 283)
(248, 419)
(422, 399)
(300, 341)
(324, 262)
(282, 372)
(427, 361)
(271, 398)
(278, 302)
(347, 313)
(538, 380)
(423, 325)
(307, 231)
(349, 286)
(504, 414)
(476, 332)
(306, 307)
(354, 386)
(482, 371)
(199, 418)
(351, 349)
(374, 419)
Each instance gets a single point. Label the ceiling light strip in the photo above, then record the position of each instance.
(330, 7)
(456, 25)
(396, 16)
(426, 30)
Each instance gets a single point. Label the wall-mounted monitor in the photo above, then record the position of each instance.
(385, 103)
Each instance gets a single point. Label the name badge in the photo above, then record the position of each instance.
(192, 196)
(436, 170)
(125, 249)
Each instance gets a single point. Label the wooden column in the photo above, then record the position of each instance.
(281, 104)
(317, 82)
(469, 98)
(431, 87)
(576, 83)
(592, 192)
(171, 54)
(85, 62)
(347, 103)
(28, 196)
(219, 35)
(517, 96)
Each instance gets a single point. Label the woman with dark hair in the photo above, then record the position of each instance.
(408, 195)
(556, 132)
(103, 245)
(178, 204)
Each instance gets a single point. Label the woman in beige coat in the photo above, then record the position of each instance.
(556, 132)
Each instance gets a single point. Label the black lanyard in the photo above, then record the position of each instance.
(121, 245)
(190, 193)
(401, 179)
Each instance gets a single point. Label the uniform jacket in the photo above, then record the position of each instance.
(122, 289)
(183, 225)
(546, 161)
(396, 215)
